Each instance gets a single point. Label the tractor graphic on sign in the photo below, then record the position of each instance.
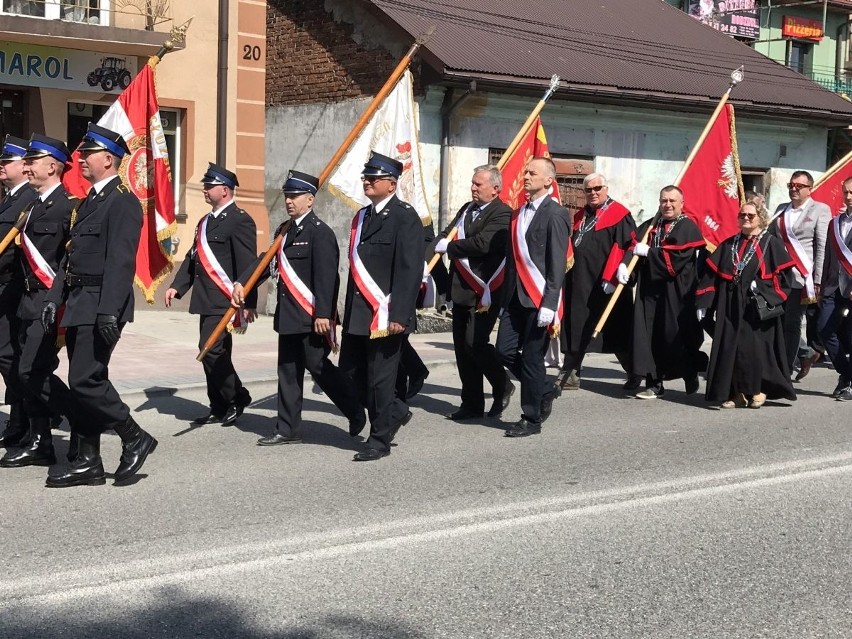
(112, 72)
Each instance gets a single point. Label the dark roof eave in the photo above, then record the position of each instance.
(627, 97)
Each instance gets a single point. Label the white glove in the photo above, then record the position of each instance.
(641, 249)
(700, 313)
(622, 275)
(753, 285)
(441, 246)
(607, 288)
(426, 271)
(545, 317)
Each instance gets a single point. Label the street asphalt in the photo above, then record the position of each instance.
(624, 518)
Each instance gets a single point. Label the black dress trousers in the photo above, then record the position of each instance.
(224, 387)
(476, 357)
(521, 345)
(296, 354)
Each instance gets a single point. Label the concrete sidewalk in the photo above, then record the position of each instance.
(157, 353)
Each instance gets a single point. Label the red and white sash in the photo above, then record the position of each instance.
(803, 262)
(300, 291)
(531, 278)
(844, 254)
(213, 268)
(38, 264)
(484, 290)
(376, 298)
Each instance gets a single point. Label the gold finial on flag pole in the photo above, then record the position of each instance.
(177, 35)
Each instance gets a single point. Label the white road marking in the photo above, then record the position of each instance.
(218, 562)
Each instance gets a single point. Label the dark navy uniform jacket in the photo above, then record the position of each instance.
(10, 208)
(391, 249)
(312, 251)
(232, 237)
(47, 228)
(104, 240)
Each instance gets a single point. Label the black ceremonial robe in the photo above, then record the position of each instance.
(597, 253)
(666, 335)
(748, 355)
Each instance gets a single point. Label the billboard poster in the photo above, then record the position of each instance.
(737, 18)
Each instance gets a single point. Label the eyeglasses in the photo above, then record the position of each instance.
(374, 178)
(594, 189)
(793, 186)
(747, 216)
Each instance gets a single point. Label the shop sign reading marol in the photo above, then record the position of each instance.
(71, 69)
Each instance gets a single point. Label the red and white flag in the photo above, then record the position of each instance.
(145, 171)
(829, 188)
(534, 144)
(712, 185)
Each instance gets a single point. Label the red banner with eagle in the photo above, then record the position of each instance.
(712, 185)
(533, 145)
(145, 171)
(829, 188)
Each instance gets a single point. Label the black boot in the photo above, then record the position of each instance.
(136, 445)
(73, 446)
(87, 469)
(37, 452)
(17, 427)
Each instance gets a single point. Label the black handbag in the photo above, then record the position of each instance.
(763, 309)
(760, 307)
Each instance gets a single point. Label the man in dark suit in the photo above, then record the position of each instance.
(385, 269)
(225, 246)
(306, 313)
(835, 323)
(477, 267)
(98, 293)
(19, 196)
(43, 239)
(532, 293)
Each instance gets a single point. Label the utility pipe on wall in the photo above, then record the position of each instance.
(222, 87)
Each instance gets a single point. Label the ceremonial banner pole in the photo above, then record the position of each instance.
(15, 231)
(554, 84)
(736, 78)
(332, 163)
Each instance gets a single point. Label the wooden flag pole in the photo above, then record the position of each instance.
(332, 163)
(736, 78)
(15, 231)
(522, 132)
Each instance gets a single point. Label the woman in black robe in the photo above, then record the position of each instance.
(748, 364)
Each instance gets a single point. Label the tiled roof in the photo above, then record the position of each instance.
(606, 50)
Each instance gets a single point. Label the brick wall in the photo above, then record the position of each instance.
(311, 58)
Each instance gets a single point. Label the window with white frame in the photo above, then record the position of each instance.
(85, 11)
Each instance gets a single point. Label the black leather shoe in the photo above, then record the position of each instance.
(357, 424)
(210, 418)
(523, 428)
(547, 402)
(277, 438)
(842, 384)
(86, 469)
(502, 404)
(38, 449)
(400, 424)
(415, 385)
(633, 383)
(230, 416)
(465, 413)
(243, 399)
(17, 427)
(691, 384)
(136, 445)
(370, 454)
